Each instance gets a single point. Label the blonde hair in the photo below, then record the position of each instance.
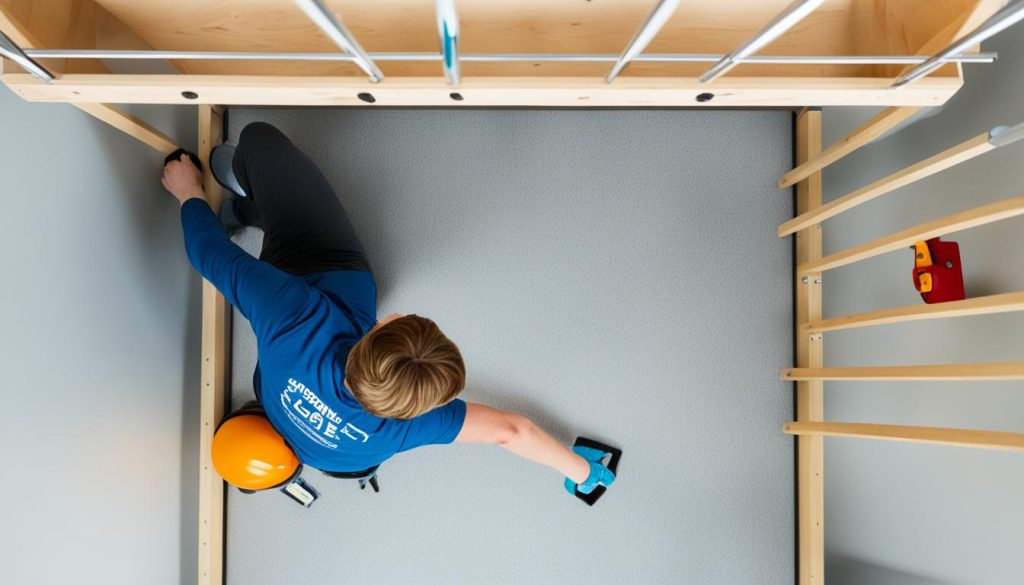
(404, 368)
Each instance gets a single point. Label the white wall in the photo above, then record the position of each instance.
(917, 514)
(99, 336)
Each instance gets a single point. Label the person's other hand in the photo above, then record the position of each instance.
(182, 179)
(599, 472)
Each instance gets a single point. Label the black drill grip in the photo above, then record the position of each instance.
(177, 154)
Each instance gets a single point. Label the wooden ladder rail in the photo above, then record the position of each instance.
(809, 353)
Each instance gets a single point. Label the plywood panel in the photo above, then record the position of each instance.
(490, 26)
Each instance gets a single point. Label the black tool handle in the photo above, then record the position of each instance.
(177, 154)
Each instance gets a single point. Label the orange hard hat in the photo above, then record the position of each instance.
(249, 454)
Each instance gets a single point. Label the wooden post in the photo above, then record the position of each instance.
(809, 354)
(215, 376)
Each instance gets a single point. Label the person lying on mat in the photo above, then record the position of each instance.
(344, 390)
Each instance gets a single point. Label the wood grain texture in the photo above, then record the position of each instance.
(904, 239)
(930, 373)
(50, 23)
(948, 158)
(496, 26)
(865, 133)
(130, 125)
(215, 377)
(810, 404)
(936, 435)
(495, 91)
(1001, 303)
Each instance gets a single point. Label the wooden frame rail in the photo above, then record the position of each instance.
(1001, 303)
(936, 373)
(857, 50)
(934, 435)
(810, 406)
(215, 378)
(879, 124)
(475, 91)
(906, 238)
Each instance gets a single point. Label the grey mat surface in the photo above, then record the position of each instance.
(607, 273)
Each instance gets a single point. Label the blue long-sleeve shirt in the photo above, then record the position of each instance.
(305, 326)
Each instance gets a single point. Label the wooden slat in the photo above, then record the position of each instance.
(131, 125)
(906, 238)
(1001, 303)
(948, 158)
(936, 435)
(809, 353)
(936, 373)
(865, 133)
(481, 91)
(215, 374)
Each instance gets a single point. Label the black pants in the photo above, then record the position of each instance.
(305, 228)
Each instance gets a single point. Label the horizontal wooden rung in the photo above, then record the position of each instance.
(906, 238)
(1001, 303)
(870, 130)
(935, 435)
(936, 373)
(926, 168)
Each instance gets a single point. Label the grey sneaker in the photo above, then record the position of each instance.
(222, 167)
(228, 218)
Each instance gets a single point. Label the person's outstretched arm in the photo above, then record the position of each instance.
(269, 298)
(521, 436)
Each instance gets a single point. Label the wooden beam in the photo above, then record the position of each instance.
(75, 25)
(130, 125)
(948, 158)
(865, 133)
(215, 377)
(935, 435)
(1001, 303)
(950, 224)
(480, 91)
(936, 373)
(809, 353)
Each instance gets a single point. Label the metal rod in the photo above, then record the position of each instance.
(505, 57)
(12, 51)
(448, 32)
(644, 35)
(1003, 135)
(331, 25)
(783, 22)
(997, 23)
